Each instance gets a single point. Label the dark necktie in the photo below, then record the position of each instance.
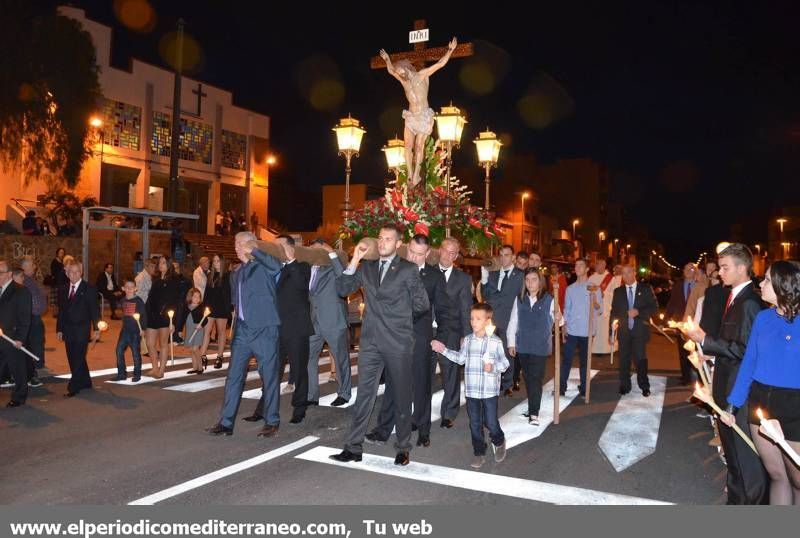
(72, 292)
(380, 272)
(728, 303)
(502, 282)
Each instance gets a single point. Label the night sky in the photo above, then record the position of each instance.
(693, 107)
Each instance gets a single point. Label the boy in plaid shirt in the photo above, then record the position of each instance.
(129, 334)
(485, 360)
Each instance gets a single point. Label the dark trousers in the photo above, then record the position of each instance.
(423, 366)
(76, 356)
(451, 384)
(747, 479)
(517, 368)
(688, 373)
(35, 342)
(506, 379)
(483, 412)
(261, 343)
(340, 353)
(293, 349)
(131, 340)
(533, 367)
(632, 345)
(16, 363)
(582, 345)
(397, 365)
(111, 299)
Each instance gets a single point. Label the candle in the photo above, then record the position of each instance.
(694, 358)
(705, 396)
(170, 313)
(102, 326)
(22, 348)
(772, 429)
(206, 313)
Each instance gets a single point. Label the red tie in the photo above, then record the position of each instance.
(728, 303)
(71, 292)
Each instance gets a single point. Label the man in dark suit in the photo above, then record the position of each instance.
(500, 289)
(676, 307)
(294, 311)
(632, 305)
(423, 363)
(15, 321)
(394, 296)
(108, 288)
(747, 480)
(78, 314)
(459, 290)
(329, 317)
(257, 333)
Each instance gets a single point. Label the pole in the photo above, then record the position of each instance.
(488, 167)
(172, 189)
(448, 203)
(347, 170)
(590, 344)
(557, 358)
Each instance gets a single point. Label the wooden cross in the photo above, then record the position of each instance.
(200, 94)
(421, 54)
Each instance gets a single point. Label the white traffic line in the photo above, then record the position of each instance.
(255, 394)
(632, 431)
(171, 374)
(222, 473)
(327, 400)
(476, 481)
(516, 427)
(208, 384)
(436, 402)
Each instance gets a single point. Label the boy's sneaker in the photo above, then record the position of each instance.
(499, 451)
(35, 382)
(477, 462)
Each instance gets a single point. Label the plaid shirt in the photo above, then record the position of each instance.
(38, 296)
(479, 383)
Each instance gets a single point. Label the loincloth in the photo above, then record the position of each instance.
(420, 123)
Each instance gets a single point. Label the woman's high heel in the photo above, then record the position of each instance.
(205, 361)
(218, 363)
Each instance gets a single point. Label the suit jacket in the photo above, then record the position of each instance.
(459, 289)
(293, 306)
(441, 306)
(734, 332)
(713, 307)
(644, 301)
(78, 318)
(676, 305)
(15, 313)
(102, 284)
(390, 306)
(328, 309)
(502, 301)
(257, 279)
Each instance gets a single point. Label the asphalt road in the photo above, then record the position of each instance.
(118, 444)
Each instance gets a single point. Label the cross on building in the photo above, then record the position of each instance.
(200, 94)
(422, 54)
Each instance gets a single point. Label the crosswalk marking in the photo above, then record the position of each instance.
(255, 394)
(477, 481)
(632, 431)
(516, 427)
(222, 473)
(171, 374)
(208, 384)
(328, 399)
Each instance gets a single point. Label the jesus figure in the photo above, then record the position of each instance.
(419, 116)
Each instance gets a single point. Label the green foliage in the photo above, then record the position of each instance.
(49, 88)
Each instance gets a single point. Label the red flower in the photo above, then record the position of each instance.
(409, 215)
(475, 223)
(488, 233)
(440, 191)
(497, 228)
(397, 198)
(420, 228)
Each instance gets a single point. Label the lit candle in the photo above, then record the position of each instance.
(694, 358)
(704, 395)
(170, 313)
(102, 326)
(490, 328)
(206, 313)
(772, 429)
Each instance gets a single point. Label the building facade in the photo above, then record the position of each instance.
(223, 148)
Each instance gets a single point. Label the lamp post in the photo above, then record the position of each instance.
(395, 153)
(488, 147)
(523, 197)
(97, 123)
(449, 126)
(348, 137)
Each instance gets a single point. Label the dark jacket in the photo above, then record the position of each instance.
(676, 306)
(78, 317)
(293, 302)
(257, 279)
(15, 313)
(734, 332)
(644, 301)
(502, 301)
(102, 283)
(459, 289)
(441, 307)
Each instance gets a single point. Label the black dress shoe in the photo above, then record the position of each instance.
(516, 386)
(424, 441)
(255, 417)
(70, 394)
(375, 438)
(312, 402)
(339, 401)
(402, 459)
(446, 423)
(413, 427)
(645, 392)
(268, 431)
(509, 392)
(13, 403)
(624, 390)
(219, 429)
(345, 455)
(218, 364)
(297, 419)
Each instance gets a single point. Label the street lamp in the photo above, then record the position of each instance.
(574, 225)
(488, 147)
(271, 160)
(601, 236)
(395, 153)
(97, 123)
(781, 222)
(758, 249)
(449, 126)
(348, 137)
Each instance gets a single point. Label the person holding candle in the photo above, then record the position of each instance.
(769, 377)
(164, 296)
(484, 361)
(218, 298)
(130, 335)
(196, 320)
(530, 336)
(580, 294)
(747, 480)
(15, 322)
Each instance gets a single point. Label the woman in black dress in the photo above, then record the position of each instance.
(164, 296)
(218, 298)
(58, 278)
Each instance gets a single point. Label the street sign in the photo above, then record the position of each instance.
(418, 36)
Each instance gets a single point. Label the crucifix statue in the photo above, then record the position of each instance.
(409, 69)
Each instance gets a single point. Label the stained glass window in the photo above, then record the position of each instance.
(196, 140)
(234, 149)
(121, 124)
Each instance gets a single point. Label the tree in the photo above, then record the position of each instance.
(49, 88)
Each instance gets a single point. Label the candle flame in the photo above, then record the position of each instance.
(170, 313)
(661, 316)
(136, 316)
(102, 325)
(760, 413)
(689, 323)
(490, 329)
(207, 312)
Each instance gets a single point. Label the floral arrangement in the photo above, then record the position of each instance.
(418, 210)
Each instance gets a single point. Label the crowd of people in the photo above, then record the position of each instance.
(495, 334)
(228, 223)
